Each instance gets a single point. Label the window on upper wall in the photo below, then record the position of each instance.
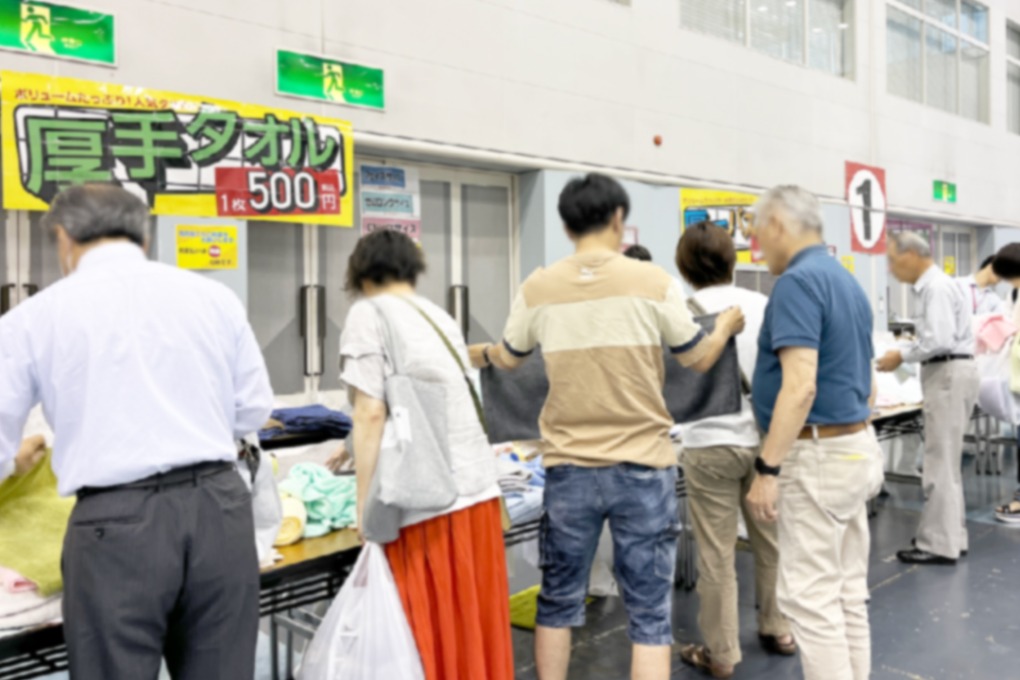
(1013, 76)
(814, 33)
(937, 54)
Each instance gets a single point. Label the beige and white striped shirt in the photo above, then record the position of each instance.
(601, 320)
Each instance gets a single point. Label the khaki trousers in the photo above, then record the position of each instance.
(950, 391)
(718, 480)
(824, 543)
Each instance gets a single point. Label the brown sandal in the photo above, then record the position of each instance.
(772, 645)
(699, 657)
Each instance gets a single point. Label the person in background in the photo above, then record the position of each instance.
(719, 455)
(638, 252)
(820, 462)
(29, 454)
(149, 375)
(1007, 268)
(449, 566)
(601, 319)
(979, 290)
(944, 346)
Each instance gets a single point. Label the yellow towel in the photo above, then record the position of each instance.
(295, 517)
(524, 608)
(33, 521)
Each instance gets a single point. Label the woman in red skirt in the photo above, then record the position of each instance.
(450, 567)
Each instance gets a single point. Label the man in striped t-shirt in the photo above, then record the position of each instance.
(601, 320)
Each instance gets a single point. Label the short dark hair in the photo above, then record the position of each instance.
(638, 252)
(588, 203)
(1006, 264)
(92, 212)
(384, 257)
(706, 255)
(988, 261)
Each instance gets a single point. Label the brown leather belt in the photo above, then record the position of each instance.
(831, 431)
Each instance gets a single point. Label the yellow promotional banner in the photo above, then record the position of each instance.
(728, 209)
(949, 265)
(714, 198)
(206, 247)
(189, 156)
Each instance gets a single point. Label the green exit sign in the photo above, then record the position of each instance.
(57, 30)
(314, 77)
(944, 191)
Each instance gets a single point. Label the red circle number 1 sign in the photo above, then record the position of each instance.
(865, 192)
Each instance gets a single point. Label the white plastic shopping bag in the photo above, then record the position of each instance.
(365, 635)
(266, 505)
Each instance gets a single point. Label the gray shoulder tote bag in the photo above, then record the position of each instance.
(414, 472)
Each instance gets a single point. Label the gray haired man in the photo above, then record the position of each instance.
(944, 347)
(820, 462)
(148, 375)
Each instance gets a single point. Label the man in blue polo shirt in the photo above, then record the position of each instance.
(813, 394)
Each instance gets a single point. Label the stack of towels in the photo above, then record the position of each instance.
(523, 485)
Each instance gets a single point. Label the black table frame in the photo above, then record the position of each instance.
(43, 652)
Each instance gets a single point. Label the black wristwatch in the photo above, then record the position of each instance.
(763, 468)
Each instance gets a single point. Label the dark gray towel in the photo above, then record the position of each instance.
(514, 399)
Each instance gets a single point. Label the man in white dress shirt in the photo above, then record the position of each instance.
(148, 375)
(944, 347)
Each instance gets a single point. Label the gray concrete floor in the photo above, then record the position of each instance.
(928, 623)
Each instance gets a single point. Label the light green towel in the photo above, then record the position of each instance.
(33, 521)
(331, 501)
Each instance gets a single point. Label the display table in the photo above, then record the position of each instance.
(311, 571)
(897, 421)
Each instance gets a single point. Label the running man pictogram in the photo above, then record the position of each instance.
(333, 82)
(35, 25)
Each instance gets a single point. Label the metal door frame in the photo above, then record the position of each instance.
(17, 238)
(457, 178)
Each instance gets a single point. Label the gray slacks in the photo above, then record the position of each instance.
(950, 392)
(163, 573)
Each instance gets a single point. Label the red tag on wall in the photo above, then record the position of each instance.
(248, 192)
(865, 192)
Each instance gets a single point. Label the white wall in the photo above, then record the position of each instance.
(585, 80)
(655, 211)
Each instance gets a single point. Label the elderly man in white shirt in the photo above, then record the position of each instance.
(945, 349)
(148, 375)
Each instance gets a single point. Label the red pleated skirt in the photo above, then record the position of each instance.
(451, 574)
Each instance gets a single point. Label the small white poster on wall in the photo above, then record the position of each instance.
(390, 198)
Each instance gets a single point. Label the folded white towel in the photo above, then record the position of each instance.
(45, 610)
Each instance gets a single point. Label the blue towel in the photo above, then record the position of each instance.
(525, 507)
(537, 471)
(309, 420)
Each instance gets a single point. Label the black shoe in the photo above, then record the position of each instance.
(963, 553)
(916, 556)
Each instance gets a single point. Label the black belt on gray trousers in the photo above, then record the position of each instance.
(165, 480)
(947, 357)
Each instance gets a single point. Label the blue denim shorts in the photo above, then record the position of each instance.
(641, 507)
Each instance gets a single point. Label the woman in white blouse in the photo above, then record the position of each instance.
(719, 455)
(450, 567)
